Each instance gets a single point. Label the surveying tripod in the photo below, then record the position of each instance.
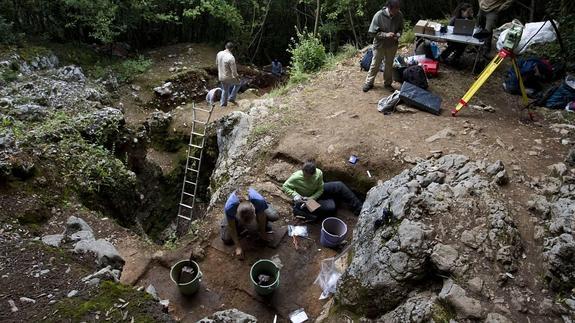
(511, 41)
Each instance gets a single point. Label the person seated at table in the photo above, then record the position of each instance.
(455, 50)
(307, 183)
(241, 209)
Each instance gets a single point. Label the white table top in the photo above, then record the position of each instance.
(449, 36)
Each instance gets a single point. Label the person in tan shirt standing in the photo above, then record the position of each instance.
(488, 13)
(386, 27)
(228, 75)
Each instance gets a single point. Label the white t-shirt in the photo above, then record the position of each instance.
(227, 70)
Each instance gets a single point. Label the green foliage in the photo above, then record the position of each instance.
(7, 34)
(564, 13)
(130, 68)
(106, 298)
(308, 53)
(408, 36)
(9, 75)
(98, 16)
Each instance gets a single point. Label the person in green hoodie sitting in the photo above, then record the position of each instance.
(307, 183)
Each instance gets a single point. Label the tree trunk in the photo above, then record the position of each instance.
(353, 27)
(316, 19)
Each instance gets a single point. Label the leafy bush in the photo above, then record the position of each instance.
(308, 53)
(408, 36)
(7, 33)
(132, 67)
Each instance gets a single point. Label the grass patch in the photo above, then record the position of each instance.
(441, 313)
(106, 300)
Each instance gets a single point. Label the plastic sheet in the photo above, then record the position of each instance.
(545, 35)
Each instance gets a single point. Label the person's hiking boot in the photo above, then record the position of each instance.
(269, 228)
(233, 102)
(389, 87)
(367, 87)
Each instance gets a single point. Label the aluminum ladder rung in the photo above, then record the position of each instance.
(188, 194)
(197, 146)
(186, 206)
(194, 158)
(198, 134)
(193, 170)
(184, 217)
(191, 183)
(200, 122)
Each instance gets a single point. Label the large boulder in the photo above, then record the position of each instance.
(235, 150)
(447, 219)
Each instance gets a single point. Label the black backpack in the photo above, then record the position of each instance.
(416, 76)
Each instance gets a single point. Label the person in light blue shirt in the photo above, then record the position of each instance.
(241, 209)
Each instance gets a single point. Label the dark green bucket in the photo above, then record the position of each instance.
(192, 286)
(269, 268)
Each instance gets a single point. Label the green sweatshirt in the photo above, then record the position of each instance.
(297, 184)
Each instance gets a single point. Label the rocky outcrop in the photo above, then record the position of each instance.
(229, 316)
(427, 238)
(554, 207)
(237, 147)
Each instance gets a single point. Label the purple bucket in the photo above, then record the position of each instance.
(333, 231)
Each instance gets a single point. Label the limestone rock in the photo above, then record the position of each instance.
(444, 257)
(106, 253)
(229, 316)
(165, 90)
(416, 309)
(72, 73)
(454, 295)
(538, 204)
(495, 168)
(81, 235)
(560, 252)
(570, 159)
(476, 285)
(53, 240)
(158, 122)
(557, 170)
(74, 224)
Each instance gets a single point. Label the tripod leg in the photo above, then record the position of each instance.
(520, 80)
(478, 83)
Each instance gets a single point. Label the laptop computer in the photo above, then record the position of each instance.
(463, 27)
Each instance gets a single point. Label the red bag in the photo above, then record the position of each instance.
(430, 66)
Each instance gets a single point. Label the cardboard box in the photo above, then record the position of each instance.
(431, 27)
(419, 27)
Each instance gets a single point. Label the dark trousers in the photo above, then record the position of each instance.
(336, 191)
(456, 48)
